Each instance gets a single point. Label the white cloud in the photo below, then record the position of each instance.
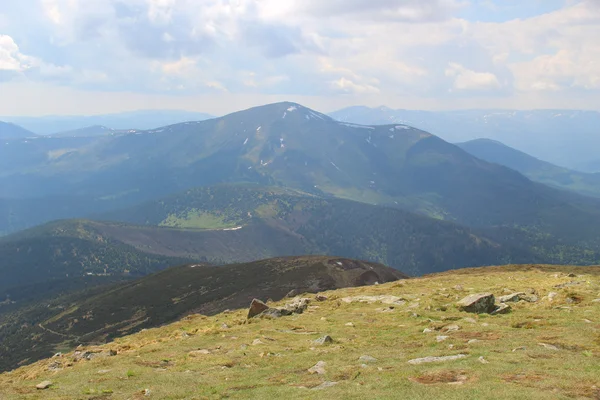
(11, 59)
(466, 79)
(399, 50)
(347, 86)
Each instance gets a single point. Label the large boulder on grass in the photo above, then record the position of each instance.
(478, 303)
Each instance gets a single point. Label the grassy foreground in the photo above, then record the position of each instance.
(549, 349)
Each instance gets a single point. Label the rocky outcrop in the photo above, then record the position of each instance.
(478, 303)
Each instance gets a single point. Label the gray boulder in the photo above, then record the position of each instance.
(478, 303)
(256, 307)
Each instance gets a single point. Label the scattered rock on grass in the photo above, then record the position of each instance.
(318, 368)
(451, 328)
(477, 303)
(483, 360)
(511, 298)
(43, 385)
(549, 346)
(441, 338)
(501, 309)
(256, 307)
(324, 340)
(320, 297)
(325, 385)
(367, 359)
(430, 359)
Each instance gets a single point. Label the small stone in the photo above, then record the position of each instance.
(323, 319)
(549, 346)
(146, 392)
(470, 320)
(349, 324)
(532, 298)
(501, 309)
(458, 287)
(441, 338)
(596, 301)
(552, 295)
(103, 371)
(292, 293)
(473, 341)
(318, 368)
(256, 307)
(485, 324)
(430, 359)
(325, 385)
(572, 275)
(520, 348)
(320, 297)
(43, 385)
(509, 298)
(256, 342)
(367, 359)
(224, 326)
(324, 340)
(483, 360)
(477, 303)
(57, 355)
(428, 330)
(451, 328)
(198, 353)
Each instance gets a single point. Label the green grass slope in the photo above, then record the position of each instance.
(547, 349)
(96, 316)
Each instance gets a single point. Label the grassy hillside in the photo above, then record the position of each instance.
(546, 349)
(55, 253)
(96, 315)
(535, 169)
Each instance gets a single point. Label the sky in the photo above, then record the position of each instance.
(217, 56)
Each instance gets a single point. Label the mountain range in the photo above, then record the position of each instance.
(563, 137)
(12, 131)
(533, 168)
(142, 119)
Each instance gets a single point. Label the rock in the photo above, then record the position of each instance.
(57, 355)
(367, 359)
(55, 366)
(548, 346)
(430, 359)
(483, 360)
(477, 303)
(572, 275)
(485, 324)
(256, 342)
(198, 353)
(320, 297)
(349, 324)
(103, 371)
(520, 348)
(451, 328)
(325, 385)
(470, 320)
(458, 287)
(532, 298)
(298, 306)
(256, 307)
(273, 313)
(473, 341)
(318, 368)
(596, 301)
(552, 295)
(43, 385)
(501, 309)
(428, 330)
(324, 340)
(292, 293)
(511, 298)
(146, 392)
(441, 338)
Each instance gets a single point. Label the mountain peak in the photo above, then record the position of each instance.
(283, 110)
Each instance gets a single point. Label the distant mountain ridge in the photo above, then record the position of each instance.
(535, 169)
(12, 131)
(563, 137)
(142, 119)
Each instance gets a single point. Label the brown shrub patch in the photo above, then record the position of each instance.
(520, 378)
(449, 377)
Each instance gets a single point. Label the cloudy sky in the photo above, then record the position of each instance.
(97, 56)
